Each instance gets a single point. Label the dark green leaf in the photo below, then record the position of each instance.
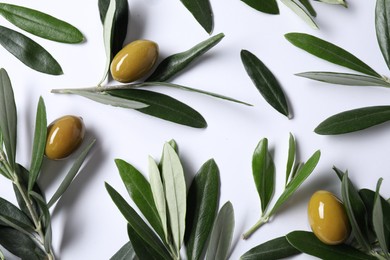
(222, 234)
(382, 25)
(330, 52)
(277, 248)
(263, 170)
(163, 106)
(126, 252)
(39, 143)
(120, 22)
(10, 213)
(8, 116)
(175, 63)
(41, 24)
(301, 12)
(307, 4)
(138, 225)
(29, 52)
(201, 10)
(139, 190)
(265, 6)
(308, 243)
(290, 158)
(354, 120)
(265, 82)
(141, 248)
(378, 221)
(202, 206)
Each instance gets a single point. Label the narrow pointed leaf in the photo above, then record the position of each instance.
(301, 12)
(265, 82)
(39, 144)
(126, 252)
(382, 25)
(201, 10)
(334, 2)
(41, 24)
(8, 116)
(277, 248)
(174, 64)
(222, 234)
(45, 220)
(202, 207)
(354, 120)
(265, 6)
(2, 257)
(329, 52)
(308, 243)
(141, 248)
(163, 106)
(11, 213)
(309, 7)
(139, 190)
(378, 221)
(263, 170)
(345, 78)
(290, 158)
(29, 52)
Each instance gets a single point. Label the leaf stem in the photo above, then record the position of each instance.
(263, 220)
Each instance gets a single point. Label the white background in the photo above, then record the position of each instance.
(86, 223)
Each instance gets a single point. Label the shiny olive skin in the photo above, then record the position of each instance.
(134, 61)
(328, 218)
(64, 135)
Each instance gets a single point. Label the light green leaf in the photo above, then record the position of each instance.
(201, 10)
(382, 26)
(334, 2)
(378, 221)
(45, 219)
(265, 6)
(329, 52)
(290, 158)
(41, 24)
(354, 120)
(222, 234)
(301, 12)
(175, 192)
(126, 252)
(2, 257)
(307, 4)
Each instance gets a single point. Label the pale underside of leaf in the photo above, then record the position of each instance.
(301, 12)
(382, 25)
(345, 78)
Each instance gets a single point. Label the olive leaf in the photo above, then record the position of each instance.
(10, 214)
(382, 25)
(265, 6)
(290, 158)
(309, 7)
(2, 257)
(41, 24)
(334, 2)
(265, 82)
(126, 252)
(301, 12)
(45, 220)
(201, 10)
(378, 221)
(354, 120)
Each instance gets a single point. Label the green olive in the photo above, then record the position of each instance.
(134, 61)
(64, 136)
(328, 218)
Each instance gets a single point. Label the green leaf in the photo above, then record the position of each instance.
(378, 221)
(301, 12)
(8, 116)
(308, 243)
(382, 26)
(10, 214)
(265, 6)
(222, 234)
(356, 212)
(201, 10)
(175, 63)
(345, 78)
(126, 252)
(139, 190)
(39, 143)
(71, 174)
(354, 120)
(136, 223)
(307, 4)
(29, 52)
(290, 158)
(265, 82)
(121, 18)
(175, 193)
(163, 106)
(329, 52)
(263, 170)
(202, 207)
(2, 257)
(41, 24)
(299, 178)
(277, 248)
(334, 2)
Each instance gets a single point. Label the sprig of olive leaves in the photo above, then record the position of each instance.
(175, 217)
(26, 228)
(263, 169)
(42, 25)
(369, 215)
(360, 118)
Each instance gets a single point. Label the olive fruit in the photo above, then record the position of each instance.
(328, 218)
(134, 61)
(64, 135)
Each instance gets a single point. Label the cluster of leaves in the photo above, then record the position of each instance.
(26, 229)
(175, 217)
(146, 101)
(40, 24)
(369, 215)
(263, 169)
(360, 118)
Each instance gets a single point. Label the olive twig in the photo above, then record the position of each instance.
(263, 220)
